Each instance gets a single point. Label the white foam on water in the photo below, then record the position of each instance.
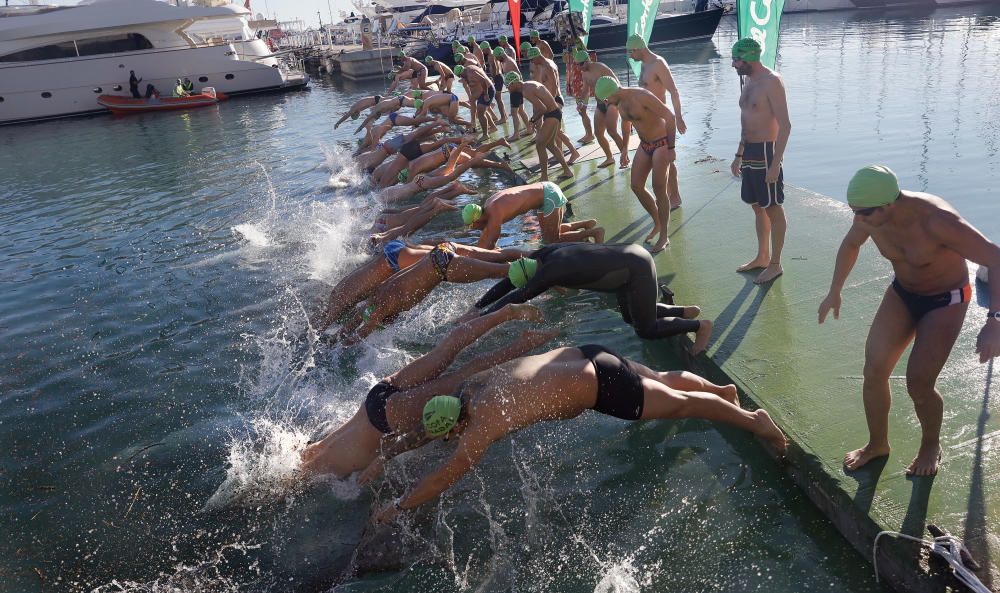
(206, 574)
(253, 234)
(619, 577)
(344, 173)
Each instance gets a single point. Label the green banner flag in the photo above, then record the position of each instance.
(758, 19)
(641, 16)
(585, 8)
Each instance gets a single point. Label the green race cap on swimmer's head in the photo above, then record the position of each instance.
(534, 53)
(580, 57)
(498, 52)
(471, 213)
(402, 53)
(747, 49)
(456, 43)
(605, 87)
(459, 57)
(485, 46)
(872, 186)
(418, 103)
(502, 39)
(511, 78)
(428, 60)
(459, 70)
(522, 270)
(417, 94)
(440, 414)
(525, 46)
(635, 42)
(403, 175)
(472, 39)
(534, 34)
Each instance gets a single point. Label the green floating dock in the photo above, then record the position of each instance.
(808, 376)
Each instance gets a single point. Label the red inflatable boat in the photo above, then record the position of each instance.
(120, 105)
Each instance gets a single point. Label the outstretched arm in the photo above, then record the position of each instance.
(847, 255)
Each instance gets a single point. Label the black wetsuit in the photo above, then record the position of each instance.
(133, 86)
(627, 271)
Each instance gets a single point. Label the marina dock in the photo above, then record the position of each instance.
(809, 376)
(351, 61)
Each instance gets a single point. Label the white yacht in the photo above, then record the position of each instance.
(56, 60)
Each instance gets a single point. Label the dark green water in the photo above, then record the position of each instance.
(155, 387)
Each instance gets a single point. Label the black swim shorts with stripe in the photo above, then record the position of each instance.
(757, 156)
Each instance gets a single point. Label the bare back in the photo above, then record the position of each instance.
(508, 203)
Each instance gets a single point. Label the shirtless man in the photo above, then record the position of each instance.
(464, 58)
(545, 197)
(518, 116)
(576, 88)
(396, 402)
(655, 125)
(494, 62)
(446, 104)
(370, 160)
(545, 71)
(418, 72)
(396, 119)
(360, 105)
(605, 116)
(559, 385)
(928, 244)
(505, 45)
(546, 117)
(437, 158)
(656, 78)
(384, 107)
(764, 135)
(481, 92)
(628, 271)
(457, 164)
(543, 46)
(445, 75)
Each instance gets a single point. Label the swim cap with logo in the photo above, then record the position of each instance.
(471, 213)
(635, 42)
(502, 39)
(534, 34)
(417, 94)
(498, 52)
(581, 56)
(459, 70)
(747, 49)
(459, 57)
(605, 87)
(440, 414)
(534, 53)
(428, 59)
(872, 186)
(485, 46)
(511, 78)
(525, 46)
(522, 270)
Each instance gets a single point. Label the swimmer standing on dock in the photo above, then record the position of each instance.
(765, 128)
(927, 243)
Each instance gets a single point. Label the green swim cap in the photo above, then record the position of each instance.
(472, 39)
(459, 70)
(403, 175)
(459, 57)
(872, 186)
(498, 52)
(428, 59)
(355, 116)
(402, 53)
(747, 49)
(534, 53)
(440, 414)
(471, 213)
(635, 42)
(502, 39)
(418, 103)
(456, 42)
(390, 75)
(534, 34)
(511, 78)
(522, 270)
(417, 94)
(525, 46)
(485, 46)
(605, 87)
(581, 57)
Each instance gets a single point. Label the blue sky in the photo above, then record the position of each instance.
(305, 10)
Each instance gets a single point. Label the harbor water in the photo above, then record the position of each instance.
(159, 376)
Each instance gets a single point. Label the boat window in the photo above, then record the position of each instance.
(55, 51)
(230, 77)
(202, 79)
(118, 87)
(46, 95)
(1, 99)
(112, 44)
(98, 90)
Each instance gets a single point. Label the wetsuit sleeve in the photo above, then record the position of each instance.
(533, 288)
(499, 289)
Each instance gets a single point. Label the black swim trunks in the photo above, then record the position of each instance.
(378, 99)
(920, 304)
(556, 113)
(487, 97)
(602, 106)
(375, 405)
(757, 157)
(619, 387)
(560, 100)
(498, 82)
(411, 150)
(516, 99)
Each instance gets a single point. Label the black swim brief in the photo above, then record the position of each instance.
(602, 106)
(560, 100)
(619, 387)
(498, 82)
(921, 304)
(487, 97)
(411, 150)
(556, 113)
(650, 147)
(516, 99)
(757, 157)
(375, 405)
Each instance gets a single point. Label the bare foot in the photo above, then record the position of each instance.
(926, 461)
(599, 235)
(606, 163)
(701, 337)
(652, 233)
(660, 245)
(513, 137)
(504, 142)
(754, 264)
(769, 431)
(857, 458)
(691, 312)
(443, 206)
(566, 174)
(466, 189)
(771, 272)
(625, 162)
(730, 394)
(589, 224)
(675, 205)
(574, 157)
(526, 312)
(586, 139)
